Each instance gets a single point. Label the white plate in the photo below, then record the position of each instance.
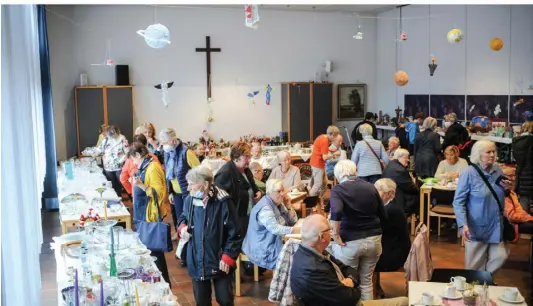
(520, 299)
(456, 297)
(141, 252)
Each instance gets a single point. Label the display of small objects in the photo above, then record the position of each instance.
(90, 215)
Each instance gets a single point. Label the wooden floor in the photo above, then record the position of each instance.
(446, 253)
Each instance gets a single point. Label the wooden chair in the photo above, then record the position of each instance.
(243, 257)
(266, 174)
(306, 172)
(443, 208)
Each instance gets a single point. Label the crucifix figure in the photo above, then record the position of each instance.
(398, 111)
(208, 51)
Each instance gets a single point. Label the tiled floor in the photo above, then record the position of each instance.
(446, 253)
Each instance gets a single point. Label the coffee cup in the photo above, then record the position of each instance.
(427, 298)
(510, 294)
(459, 282)
(295, 190)
(450, 291)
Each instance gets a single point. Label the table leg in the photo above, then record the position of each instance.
(63, 228)
(304, 210)
(128, 223)
(238, 277)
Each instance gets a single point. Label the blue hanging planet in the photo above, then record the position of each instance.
(156, 35)
(252, 95)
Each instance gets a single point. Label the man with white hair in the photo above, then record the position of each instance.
(319, 279)
(179, 159)
(456, 134)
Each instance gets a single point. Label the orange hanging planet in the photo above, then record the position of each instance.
(496, 44)
(401, 78)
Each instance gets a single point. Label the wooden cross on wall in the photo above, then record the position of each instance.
(208, 51)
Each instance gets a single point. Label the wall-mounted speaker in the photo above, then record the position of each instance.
(122, 75)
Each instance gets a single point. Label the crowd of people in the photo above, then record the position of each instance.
(243, 209)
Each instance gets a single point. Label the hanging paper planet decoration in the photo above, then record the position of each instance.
(401, 78)
(496, 44)
(251, 12)
(156, 35)
(455, 36)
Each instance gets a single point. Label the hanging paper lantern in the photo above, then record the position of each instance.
(496, 44)
(251, 12)
(403, 36)
(401, 78)
(156, 35)
(455, 36)
(432, 66)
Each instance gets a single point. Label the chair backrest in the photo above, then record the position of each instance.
(266, 174)
(445, 275)
(441, 196)
(310, 201)
(305, 171)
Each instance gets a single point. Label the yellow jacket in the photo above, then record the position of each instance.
(155, 182)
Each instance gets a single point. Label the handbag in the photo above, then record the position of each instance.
(155, 235)
(510, 230)
(381, 162)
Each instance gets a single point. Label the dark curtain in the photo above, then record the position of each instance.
(49, 196)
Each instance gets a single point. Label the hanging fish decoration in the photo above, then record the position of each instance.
(252, 15)
(252, 95)
(268, 90)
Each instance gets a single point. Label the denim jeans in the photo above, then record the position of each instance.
(362, 255)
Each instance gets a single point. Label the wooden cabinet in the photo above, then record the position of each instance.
(97, 105)
(306, 109)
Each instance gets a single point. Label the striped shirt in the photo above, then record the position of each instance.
(366, 161)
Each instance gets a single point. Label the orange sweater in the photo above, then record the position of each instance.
(129, 169)
(514, 212)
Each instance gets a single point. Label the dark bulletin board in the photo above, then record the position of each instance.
(90, 105)
(442, 105)
(322, 108)
(517, 109)
(414, 104)
(494, 107)
(300, 109)
(120, 109)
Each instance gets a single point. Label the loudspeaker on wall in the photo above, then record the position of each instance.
(122, 75)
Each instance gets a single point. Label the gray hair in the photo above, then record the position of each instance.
(281, 154)
(167, 134)
(394, 139)
(270, 184)
(344, 168)
(200, 174)
(385, 185)
(310, 230)
(401, 152)
(138, 130)
(366, 129)
(333, 130)
(429, 123)
(478, 148)
(255, 166)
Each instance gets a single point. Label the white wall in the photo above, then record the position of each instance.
(470, 67)
(288, 46)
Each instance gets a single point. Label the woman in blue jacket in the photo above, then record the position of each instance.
(209, 218)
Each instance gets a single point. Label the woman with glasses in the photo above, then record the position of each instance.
(270, 219)
(289, 174)
(257, 171)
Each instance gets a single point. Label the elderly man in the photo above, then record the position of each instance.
(456, 134)
(319, 156)
(270, 219)
(394, 144)
(179, 159)
(319, 279)
(285, 171)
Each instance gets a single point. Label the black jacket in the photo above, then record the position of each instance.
(401, 133)
(407, 193)
(523, 153)
(315, 282)
(232, 181)
(455, 135)
(214, 231)
(356, 136)
(395, 239)
(426, 148)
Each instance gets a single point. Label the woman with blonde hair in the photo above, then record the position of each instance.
(452, 166)
(426, 148)
(114, 149)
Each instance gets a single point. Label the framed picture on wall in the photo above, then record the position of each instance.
(351, 101)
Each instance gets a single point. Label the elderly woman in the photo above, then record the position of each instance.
(523, 153)
(148, 130)
(236, 179)
(452, 166)
(285, 171)
(427, 145)
(456, 134)
(407, 192)
(214, 245)
(149, 195)
(115, 149)
(257, 171)
(357, 218)
(199, 150)
(478, 212)
(395, 239)
(394, 144)
(179, 159)
(369, 155)
(256, 153)
(130, 168)
(270, 219)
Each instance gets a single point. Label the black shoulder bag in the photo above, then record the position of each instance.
(509, 229)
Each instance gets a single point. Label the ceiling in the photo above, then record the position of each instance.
(367, 9)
